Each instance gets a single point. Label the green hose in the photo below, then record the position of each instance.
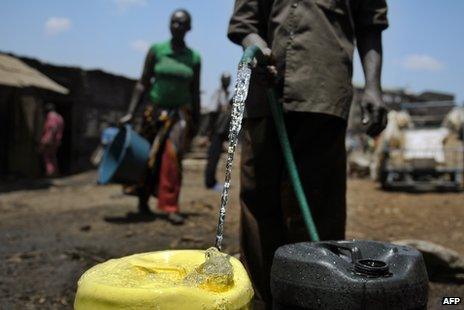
(278, 115)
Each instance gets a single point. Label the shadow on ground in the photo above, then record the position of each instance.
(12, 184)
(134, 217)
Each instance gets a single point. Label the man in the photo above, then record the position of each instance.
(221, 102)
(50, 141)
(308, 46)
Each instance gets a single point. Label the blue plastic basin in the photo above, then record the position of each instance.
(125, 160)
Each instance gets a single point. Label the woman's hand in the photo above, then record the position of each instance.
(126, 119)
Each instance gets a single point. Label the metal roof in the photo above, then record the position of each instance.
(15, 73)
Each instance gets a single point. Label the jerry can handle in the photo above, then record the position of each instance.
(335, 247)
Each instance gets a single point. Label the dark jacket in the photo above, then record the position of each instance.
(313, 43)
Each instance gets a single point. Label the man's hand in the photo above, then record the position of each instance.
(373, 112)
(265, 65)
(265, 62)
(126, 119)
(266, 57)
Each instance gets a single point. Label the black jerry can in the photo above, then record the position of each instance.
(348, 275)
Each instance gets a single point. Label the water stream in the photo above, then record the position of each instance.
(238, 108)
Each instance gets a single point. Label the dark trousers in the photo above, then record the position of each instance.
(218, 136)
(270, 215)
(214, 154)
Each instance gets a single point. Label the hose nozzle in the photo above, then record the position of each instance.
(250, 54)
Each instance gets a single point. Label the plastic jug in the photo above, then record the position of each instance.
(348, 275)
(157, 280)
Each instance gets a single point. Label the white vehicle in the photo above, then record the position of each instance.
(429, 156)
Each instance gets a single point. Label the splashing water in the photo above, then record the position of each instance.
(216, 274)
(238, 107)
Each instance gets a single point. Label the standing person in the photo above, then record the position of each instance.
(50, 141)
(171, 77)
(221, 102)
(308, 46)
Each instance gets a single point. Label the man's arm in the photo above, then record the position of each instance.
(248, 24)
(374, 111)
(141, 86)
(370, 51)
(369, 20)
(244, 21)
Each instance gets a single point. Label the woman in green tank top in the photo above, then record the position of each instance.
(171, 78)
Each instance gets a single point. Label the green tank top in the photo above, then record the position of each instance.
(173, 76)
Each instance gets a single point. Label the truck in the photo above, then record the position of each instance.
(429, 155)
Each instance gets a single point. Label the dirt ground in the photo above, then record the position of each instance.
(51, 233)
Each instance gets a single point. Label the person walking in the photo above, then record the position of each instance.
(221, 101)
(307, 48)
(50, 140)
(171, 77)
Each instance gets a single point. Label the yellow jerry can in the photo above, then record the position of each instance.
(171, 280)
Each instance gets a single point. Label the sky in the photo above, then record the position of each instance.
(423, 47)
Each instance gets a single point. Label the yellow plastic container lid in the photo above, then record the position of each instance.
(160, 280)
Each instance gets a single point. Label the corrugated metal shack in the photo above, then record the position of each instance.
(95, 98)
